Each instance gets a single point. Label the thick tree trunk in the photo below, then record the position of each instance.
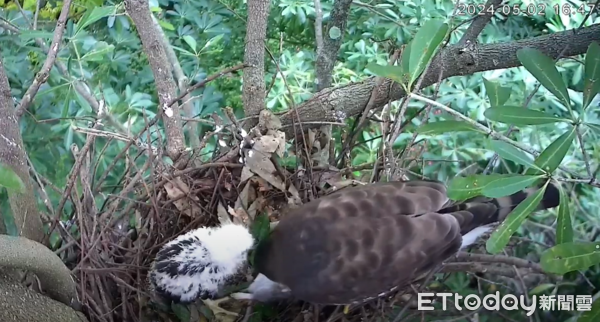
(12, 154)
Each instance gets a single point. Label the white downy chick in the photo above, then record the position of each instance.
(197, 264)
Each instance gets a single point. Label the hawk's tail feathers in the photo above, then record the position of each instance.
(476, 214)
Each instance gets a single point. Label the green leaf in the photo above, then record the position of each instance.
(441, 127)
(553, 155)
(506, 186)
(182, 313)
(392, 72)
(544, 70)
(463, 188)
(99, 52)
(592, 74)
(516, 115)
(497, 94)
(426, 41)
(190, 41)
(509, 152)
(569, 257)
(405, 61)
(564, 228)
(541, 288)
(261, 227)
(500, 237)
(10, 180)
(594, 127)
(593, 315)
(27, 34)
(166, 25)
(94, 15)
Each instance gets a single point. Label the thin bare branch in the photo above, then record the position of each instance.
(43, 74)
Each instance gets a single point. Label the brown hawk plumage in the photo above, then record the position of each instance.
(353, 245)
(361, 242)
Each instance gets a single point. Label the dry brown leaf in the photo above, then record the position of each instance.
(177, 189)
(341, 184)
(268, 121)
(222, 214)
(244, 197)
(239, 216)
(312, 133)
(295, 198)
(261, 164)
(280, 137)
(246, 174)
(138, 220)
(254, 208)
(266, 144)
(263, 185)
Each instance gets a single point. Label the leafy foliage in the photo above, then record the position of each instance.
(102, 48)
(10, 180)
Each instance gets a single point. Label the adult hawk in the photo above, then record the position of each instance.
(353, 245)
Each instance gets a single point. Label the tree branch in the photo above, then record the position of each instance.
(43, 74)
(12, 154)
(326, 57)
(253, 90)
(334, 105)
(139, 11)
(479, 22)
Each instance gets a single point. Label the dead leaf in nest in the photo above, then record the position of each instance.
(280, 137)
(222, 214)
(242, 199)
(295, 198)
(239, 216)
(204, 184)
(252, 210)
(246, 174)
(268, 121)
(263, 185)
(341, 184)
(138, 220)
(261, 164)
(177, 189)
(266, 144)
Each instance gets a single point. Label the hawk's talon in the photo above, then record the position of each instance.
(213, 305)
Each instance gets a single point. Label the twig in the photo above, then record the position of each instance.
(479, 22)
(365, 112)
(70, 182)
(208, 80)
(515, 261)
(44, 73)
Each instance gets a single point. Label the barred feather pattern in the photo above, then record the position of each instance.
(199, 263)
(362, 242)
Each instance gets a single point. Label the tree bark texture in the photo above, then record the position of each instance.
(253, 90)
(139, 11)
(331, 47)
(336, 104)
(12, 154)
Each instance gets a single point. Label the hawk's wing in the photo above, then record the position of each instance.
(363, 241)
